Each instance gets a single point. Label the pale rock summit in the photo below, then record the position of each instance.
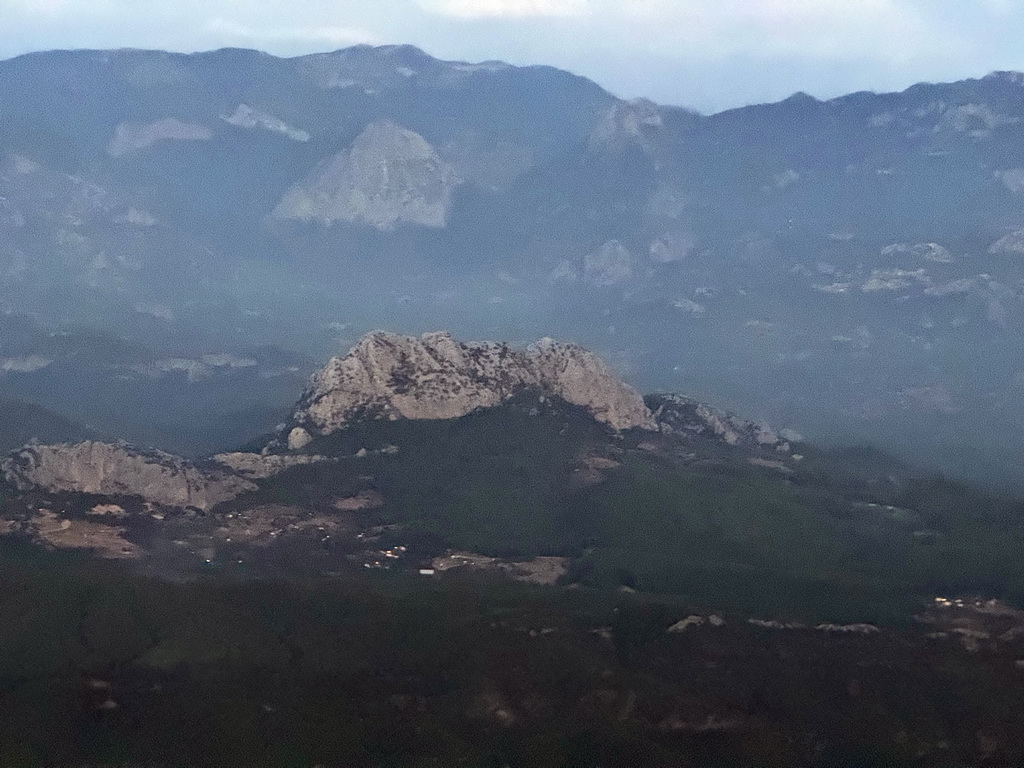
(1010, 245)
(927, 251)
(627, 124)
(24, 364)
(390, 376)
(137, 218)
(194, 370)
(690, 307)
(133, 137)
(977, 120)
(10, 216)
(672, 247)
(107, 469)
(611, 264)
(245, 116)
(389, 176)
(371, 69)
(1012, 179)
(974, 120)
(895, 279)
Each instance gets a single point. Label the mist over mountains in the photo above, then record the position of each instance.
(195, 232)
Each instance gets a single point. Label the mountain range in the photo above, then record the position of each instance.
(851, 269)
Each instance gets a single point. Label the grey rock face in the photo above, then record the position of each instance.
(255, 466)
(1012, 179)
(626, 124)
(115, 469)
(672, 247)
(927, 251)
(611, 264)
(493, 165)
(132, 137)
(436, 377)
(245, 116)
(1010, 245)
(680, 415)
(389, 176)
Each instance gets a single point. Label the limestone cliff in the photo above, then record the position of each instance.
(389, 176)
(436, 377)
(118, 470)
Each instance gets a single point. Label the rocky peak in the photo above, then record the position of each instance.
(132, 137)
(246, 116)
(389, 176)
(390, 376)
(107, 469)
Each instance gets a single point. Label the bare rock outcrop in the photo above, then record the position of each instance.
(681, 415)
(927, 251)
(108, 469)
(390, 376)
(132, 137)
(1010, 245)
(389, 176)
(627, 124)
(611, 264)
(247, 117)
(256, 466)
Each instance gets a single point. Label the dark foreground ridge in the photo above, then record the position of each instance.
(523, 582)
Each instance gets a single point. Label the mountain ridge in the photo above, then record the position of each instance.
(1010, 76)
(774, 258)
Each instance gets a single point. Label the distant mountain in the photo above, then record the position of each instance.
(852, 268)
(175, 393)
(22, 422)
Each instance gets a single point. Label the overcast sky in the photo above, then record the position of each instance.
(706, 54)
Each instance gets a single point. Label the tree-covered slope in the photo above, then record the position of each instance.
(832, 535)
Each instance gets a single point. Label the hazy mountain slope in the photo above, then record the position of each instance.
(183, 395)
(850, 267)
(21, 422)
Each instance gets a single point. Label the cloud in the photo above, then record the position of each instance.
(830, 29)
(482, 9)
(328, 35)
(55, 9)
(1000, 7)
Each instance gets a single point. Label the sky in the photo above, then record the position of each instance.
(708, 55)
